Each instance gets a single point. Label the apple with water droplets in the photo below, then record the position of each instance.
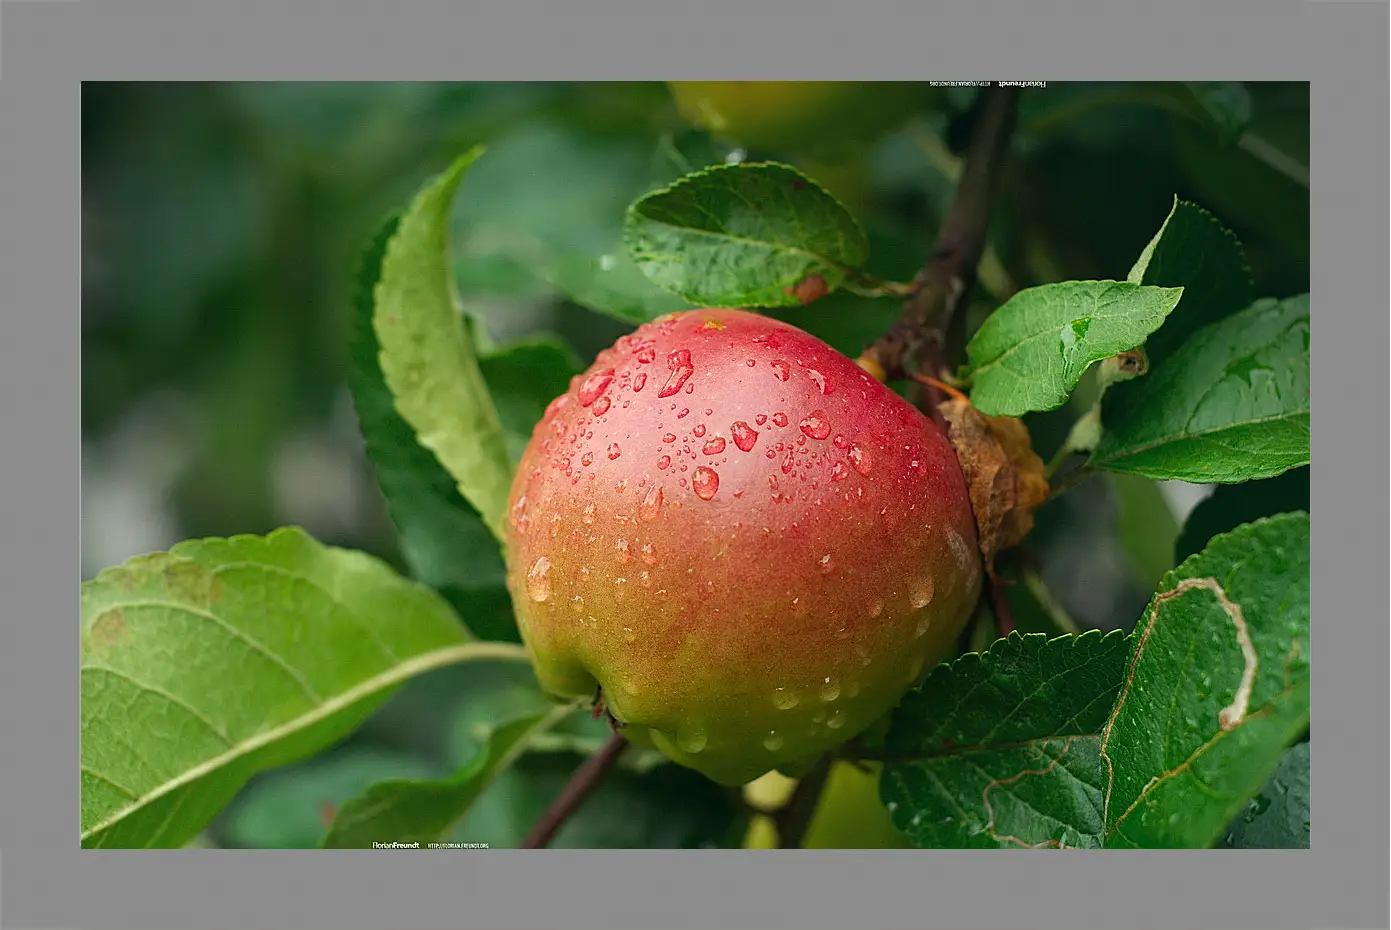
(744, 543)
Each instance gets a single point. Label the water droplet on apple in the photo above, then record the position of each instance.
(705, 483)
(784, 699)
(587, 515)
(649, 510)
(830, 690)
(538, 580)
(773, 741)
(837, 720)
(816, 425)
(669, 438)
(839, 472)
(692, 741)
(779, 419)
(921, 594)
(713, 446)
(824, 563)
(614, 451)
(698, 430)
(664, 462)
(860, 459)
(594, 386)
(841, 442)
(761, 419)
(640, 381)
(679, 364)
(822, 383)
(781, 370)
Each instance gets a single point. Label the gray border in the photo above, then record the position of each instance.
(48, 47)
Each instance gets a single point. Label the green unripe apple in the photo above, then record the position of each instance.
(800, 115)
(752, 547)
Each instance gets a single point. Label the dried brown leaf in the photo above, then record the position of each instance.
(1005, 477)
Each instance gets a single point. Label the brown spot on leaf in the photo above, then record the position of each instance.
(1005, 476)
(191, 583)
(812, 287)
(109, 629)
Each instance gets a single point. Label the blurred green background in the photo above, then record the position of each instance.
(222, 224)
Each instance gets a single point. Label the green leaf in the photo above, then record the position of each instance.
(1231, 405)
(222, 658)
(1030, 353)
(743, 236)
(291, 808)
(1194, 251)
(1146, 527)
(1277, 817)
(999, 749)
(412, 811)
(1226, 103)
(428, 359)
(523, 377)
(612, 285)
(1231, 505)
(1217, 687)
(442, 538)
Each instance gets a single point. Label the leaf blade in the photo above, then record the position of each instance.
(751, 235)
(1225, 669)
(999, 749)
(325, 635)
(1029, 354)
(423, 811)
(1194, 251)
(1231, 405)
(427, 358)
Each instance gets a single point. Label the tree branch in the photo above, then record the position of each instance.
(574, 792)
(793, 818)
(930, 324)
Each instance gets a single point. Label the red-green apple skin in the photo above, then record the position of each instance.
(749, 544)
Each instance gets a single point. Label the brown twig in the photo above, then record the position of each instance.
(793, 818)
(931, 317)
(574, 793)
(999, 606)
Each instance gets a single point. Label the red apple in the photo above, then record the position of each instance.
(751, 546)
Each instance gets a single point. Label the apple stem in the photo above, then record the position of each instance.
(793, 818)
(574, 793)
(925, 326)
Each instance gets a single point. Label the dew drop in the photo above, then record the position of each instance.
(594, 386)
(664, 462)
(751, 363)
(822, 384)
(538, 580)
(577, 604)
(921, 594)
(587, 459)
(761, 419)
(614, 451)
(622, 547)
(787, 464)
(744, 435)
(691, 741)
(922, 627)
(649, 510)
(640, 381)
(713, 446)
(837, 720)
(841, 442)
(824, 563)
(839, 471)
(779, 419)
(648, 556)
(816, 425)
(679, 364)
(587, 515)
(705, 482)
(784, 699)
(860, 459)
(781, 370)
(830, 690)
(819, 717)
(773, 741)
(646, 354)
(601, 406)
(669, 438)
(683, 413)
(698, 430)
